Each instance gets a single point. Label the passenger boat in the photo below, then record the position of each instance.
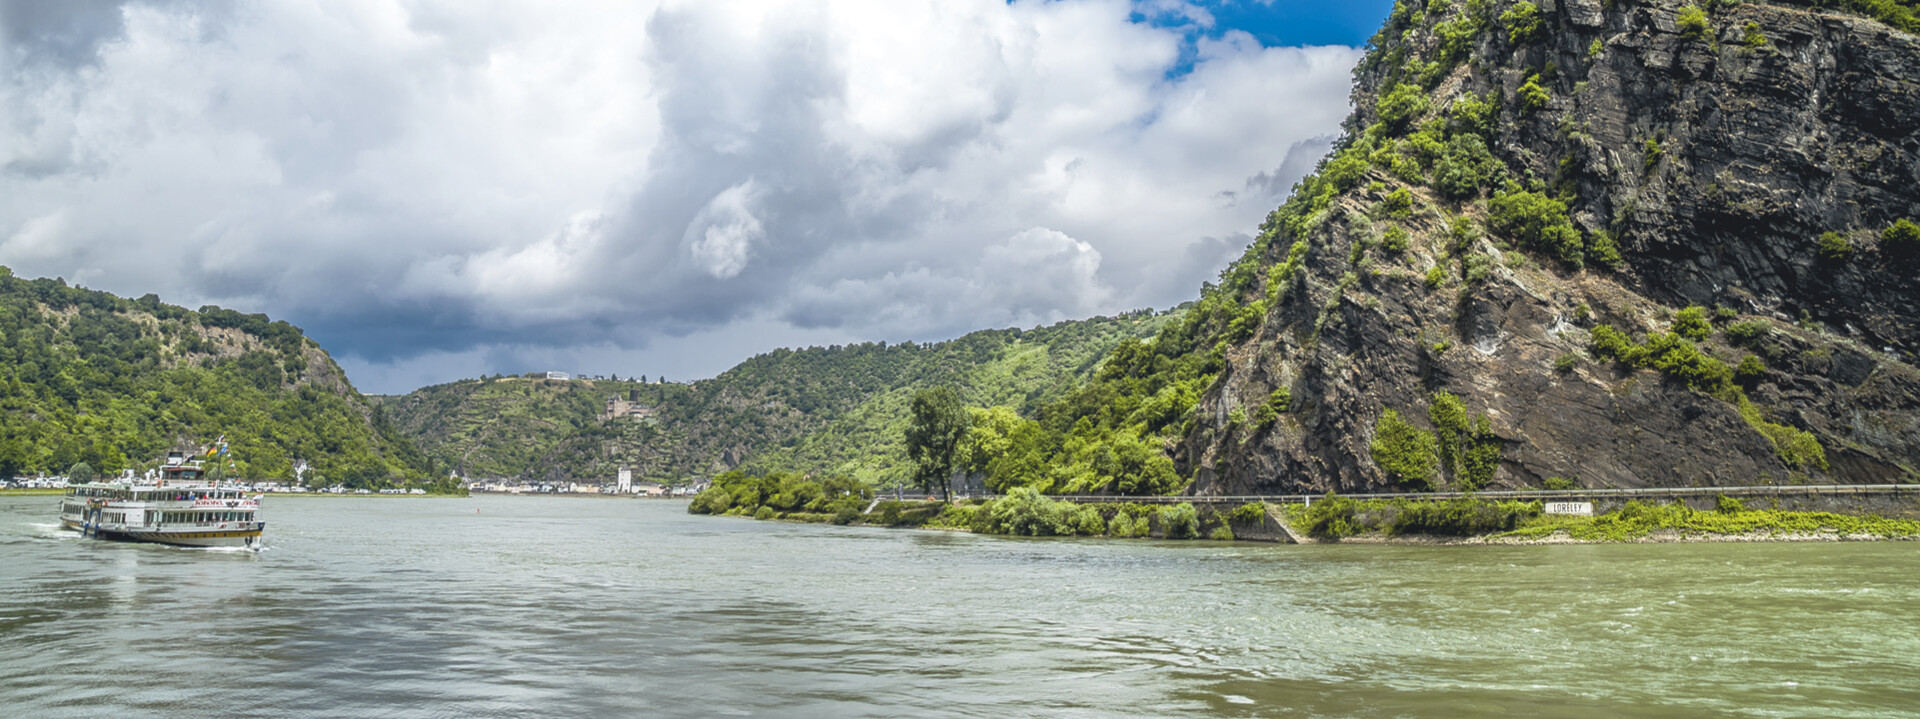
(179, 506)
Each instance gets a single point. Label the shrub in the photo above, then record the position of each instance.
(1475, 267)
(1125, 524)
(1531, 95)
(1746, 333)
(1692, 22)
(1691, 323)
(1249, 513)
(1450, 427)
(1436, 275)
(1750, 371)
(1602, 250)
(1462, 517)
(1464, 168)
(1276, 404)
(1835, 248)
(1087, 521)
(1903, 235)
(1535, 220)
(1608, 343)
(1180, 521)
(1651, 152)
(1522, 22)
(1679, 359)
(1728, 505)
(1797, 448)
(1395, 239)
(1025, 511)
(1333, 518)
(845, 515)
(1400, 106)
(1482, 456)
(763, 513)
(1404, 452)
(712, 500)
(1472, 115)
(1557, 482)
(1222, 533)
(1398, 204)
(1566, 362)
(1752, 38)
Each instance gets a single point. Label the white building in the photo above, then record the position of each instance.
(558, 375)
(625, 480)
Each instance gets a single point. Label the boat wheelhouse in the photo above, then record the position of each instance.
(180, 506)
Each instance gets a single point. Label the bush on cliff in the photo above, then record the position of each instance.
(1407, 454)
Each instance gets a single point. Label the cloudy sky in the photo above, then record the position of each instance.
(440, 189)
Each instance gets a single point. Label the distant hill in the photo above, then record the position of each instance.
(505, 426)
(86, 376)
(835, 409)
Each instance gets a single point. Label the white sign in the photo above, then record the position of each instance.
(1584, 509)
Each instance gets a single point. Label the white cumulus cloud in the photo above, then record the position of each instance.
(665, 185)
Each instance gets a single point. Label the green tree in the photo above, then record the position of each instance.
(80, 472)
(934, 431)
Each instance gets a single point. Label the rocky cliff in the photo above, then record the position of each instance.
(1597, 244)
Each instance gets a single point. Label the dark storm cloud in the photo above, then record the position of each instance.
(66, 33)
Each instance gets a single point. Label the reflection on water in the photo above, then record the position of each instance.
(567, 607)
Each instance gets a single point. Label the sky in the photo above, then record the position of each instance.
(442, 189)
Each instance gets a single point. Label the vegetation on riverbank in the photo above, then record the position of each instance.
(1022, 512)
(1336, 518)
(1637, 520)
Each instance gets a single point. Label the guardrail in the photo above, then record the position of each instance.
(1809, 490)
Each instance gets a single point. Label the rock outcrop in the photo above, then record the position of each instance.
(1461, 243)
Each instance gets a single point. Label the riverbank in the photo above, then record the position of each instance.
(1330, 519)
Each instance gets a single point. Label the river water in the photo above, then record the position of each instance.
(566, 607)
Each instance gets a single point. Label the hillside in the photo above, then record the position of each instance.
(1594, 244)
(833, 409)
(89, 377)
(1560, 244)
(503, 426)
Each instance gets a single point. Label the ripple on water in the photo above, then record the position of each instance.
(596, 607)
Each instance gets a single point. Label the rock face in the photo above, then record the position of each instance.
(1713, 149)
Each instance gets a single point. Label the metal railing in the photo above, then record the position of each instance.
(1810, 490)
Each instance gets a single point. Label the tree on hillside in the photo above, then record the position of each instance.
(934, 431)
(80, 472)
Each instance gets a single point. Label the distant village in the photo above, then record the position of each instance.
(623, 485)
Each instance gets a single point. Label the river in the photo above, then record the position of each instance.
(570, 607)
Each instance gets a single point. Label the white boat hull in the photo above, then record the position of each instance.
(192, 537)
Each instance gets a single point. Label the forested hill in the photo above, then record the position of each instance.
(837, 409)
(507, 426)
(88, 377)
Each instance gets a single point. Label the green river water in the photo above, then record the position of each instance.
(567, 607)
